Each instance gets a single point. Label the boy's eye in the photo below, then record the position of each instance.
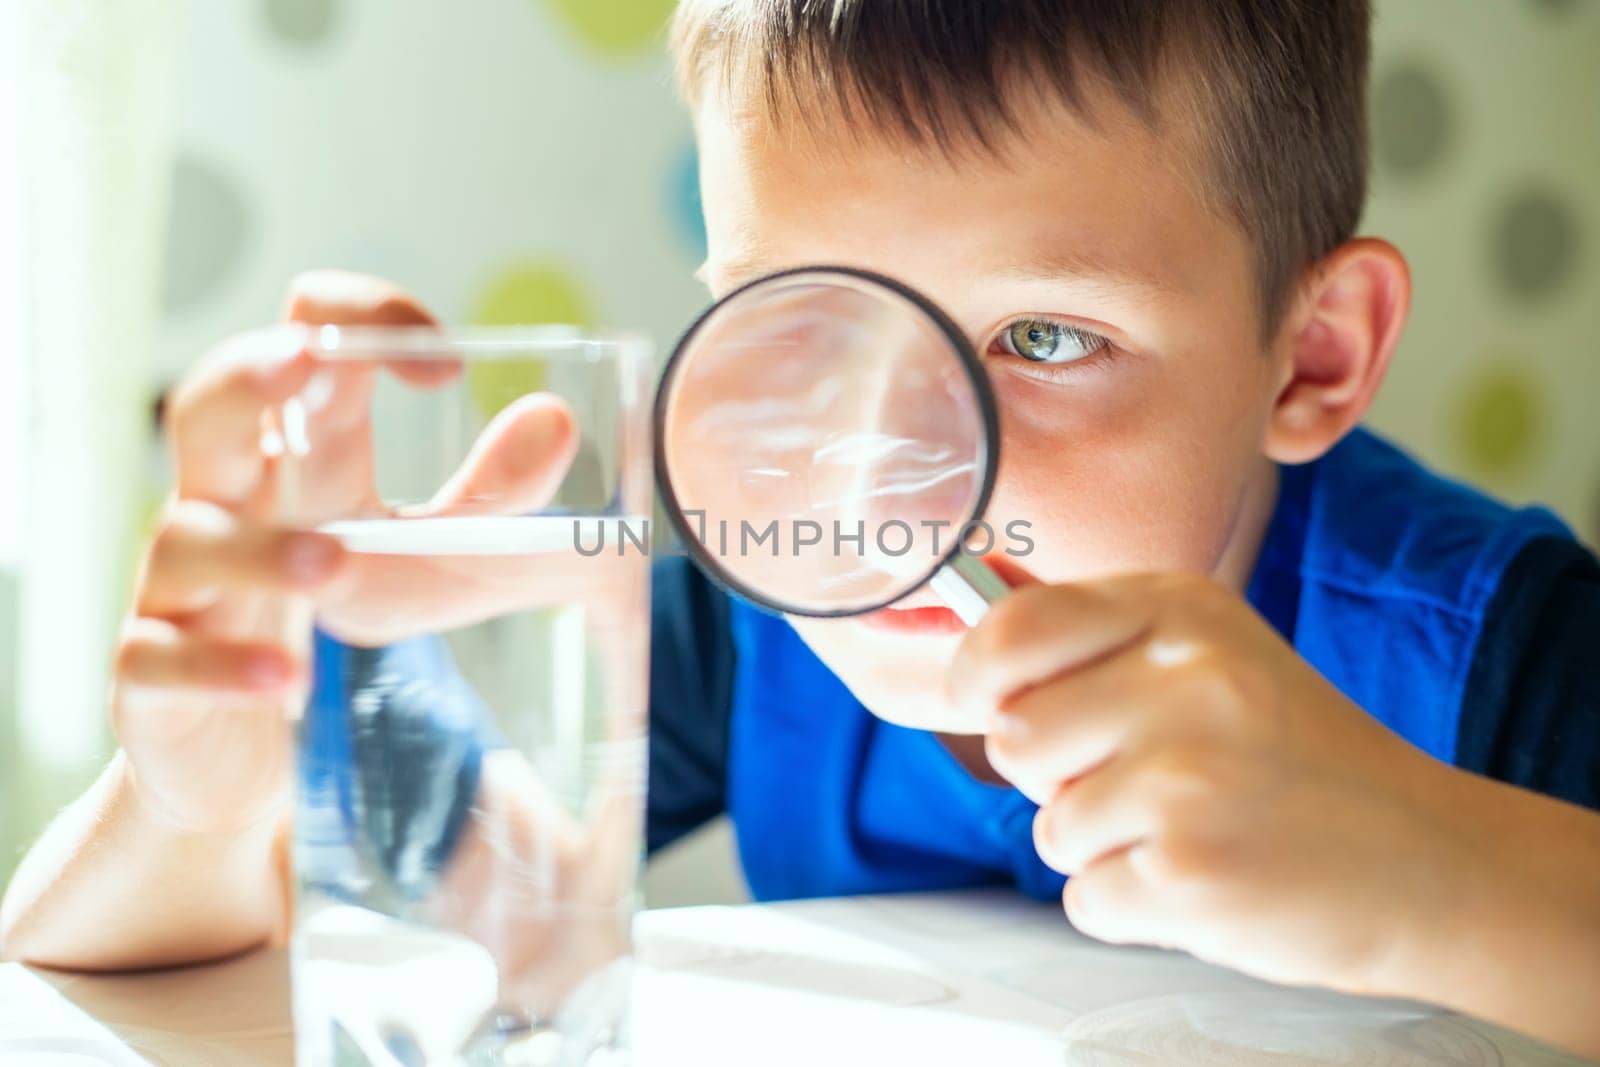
(1039, 341)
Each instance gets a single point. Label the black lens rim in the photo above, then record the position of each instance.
(982, 389)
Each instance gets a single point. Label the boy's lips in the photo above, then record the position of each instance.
(932, 619)
(922, 612)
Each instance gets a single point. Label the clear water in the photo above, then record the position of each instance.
(471, 782)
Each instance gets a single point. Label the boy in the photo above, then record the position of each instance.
(1261, 672)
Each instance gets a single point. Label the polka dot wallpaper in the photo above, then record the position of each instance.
(508, 160)
(526, 160)
(1486, 137)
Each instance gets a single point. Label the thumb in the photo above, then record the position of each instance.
(517, 463)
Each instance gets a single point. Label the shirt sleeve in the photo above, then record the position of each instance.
(1531, 715)
(691, 695)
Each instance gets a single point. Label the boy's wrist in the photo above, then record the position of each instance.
(154, 819)
(1514, 876)
(1451, 890)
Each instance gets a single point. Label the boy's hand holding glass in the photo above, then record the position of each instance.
(281, 514)
(211, 662)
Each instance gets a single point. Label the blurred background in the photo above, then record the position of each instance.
(526, 161)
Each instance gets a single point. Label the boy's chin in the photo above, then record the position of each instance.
(934, 714)
(900, 678)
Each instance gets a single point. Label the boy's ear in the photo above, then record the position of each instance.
(1336, 346)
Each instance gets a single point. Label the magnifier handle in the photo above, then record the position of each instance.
(968, 586)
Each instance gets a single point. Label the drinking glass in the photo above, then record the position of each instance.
(471, 753)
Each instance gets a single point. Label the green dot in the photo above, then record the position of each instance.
(616, 27)
(301, 22)
(524, 294)
(1497, 418)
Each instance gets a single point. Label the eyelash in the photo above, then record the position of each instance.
(1099, 346)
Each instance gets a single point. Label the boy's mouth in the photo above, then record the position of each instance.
(928, 619)
(922, 612)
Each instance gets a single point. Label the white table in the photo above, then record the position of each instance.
(970, 978)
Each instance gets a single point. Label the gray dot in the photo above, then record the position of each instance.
(300, 22)
(1535, 243)
(1412, 119)
(208, 227)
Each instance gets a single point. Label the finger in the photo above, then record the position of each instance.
(331, 416)
(338, 298)
(202, 551)
(1058, 731)
(158, 655)
(1041, 631)
(214, 416)
(1106, 810)
(517, 463)
(425, 372)
(349, 298)
(1112, 900)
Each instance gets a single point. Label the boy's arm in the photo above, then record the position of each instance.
(1527, 950)
(112, 886)
(1520, 944)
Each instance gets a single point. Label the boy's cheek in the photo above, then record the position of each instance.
(1070, 529)
(1110, 485)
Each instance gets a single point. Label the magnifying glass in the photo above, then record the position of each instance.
(826, 442)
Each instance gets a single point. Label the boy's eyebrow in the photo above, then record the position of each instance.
(1064, 263)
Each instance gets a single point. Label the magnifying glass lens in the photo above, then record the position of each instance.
(823, 438)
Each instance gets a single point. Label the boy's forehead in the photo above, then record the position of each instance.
(1113, 199)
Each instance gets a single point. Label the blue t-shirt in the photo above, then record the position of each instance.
(1468, 628)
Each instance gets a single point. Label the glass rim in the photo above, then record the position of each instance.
(471, 342)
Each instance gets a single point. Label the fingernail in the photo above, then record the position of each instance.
(310, 557)
(1004, 724)
(1044, 830)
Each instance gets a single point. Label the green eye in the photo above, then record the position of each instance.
(1050, 342)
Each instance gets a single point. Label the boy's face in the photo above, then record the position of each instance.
(1131, 441)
